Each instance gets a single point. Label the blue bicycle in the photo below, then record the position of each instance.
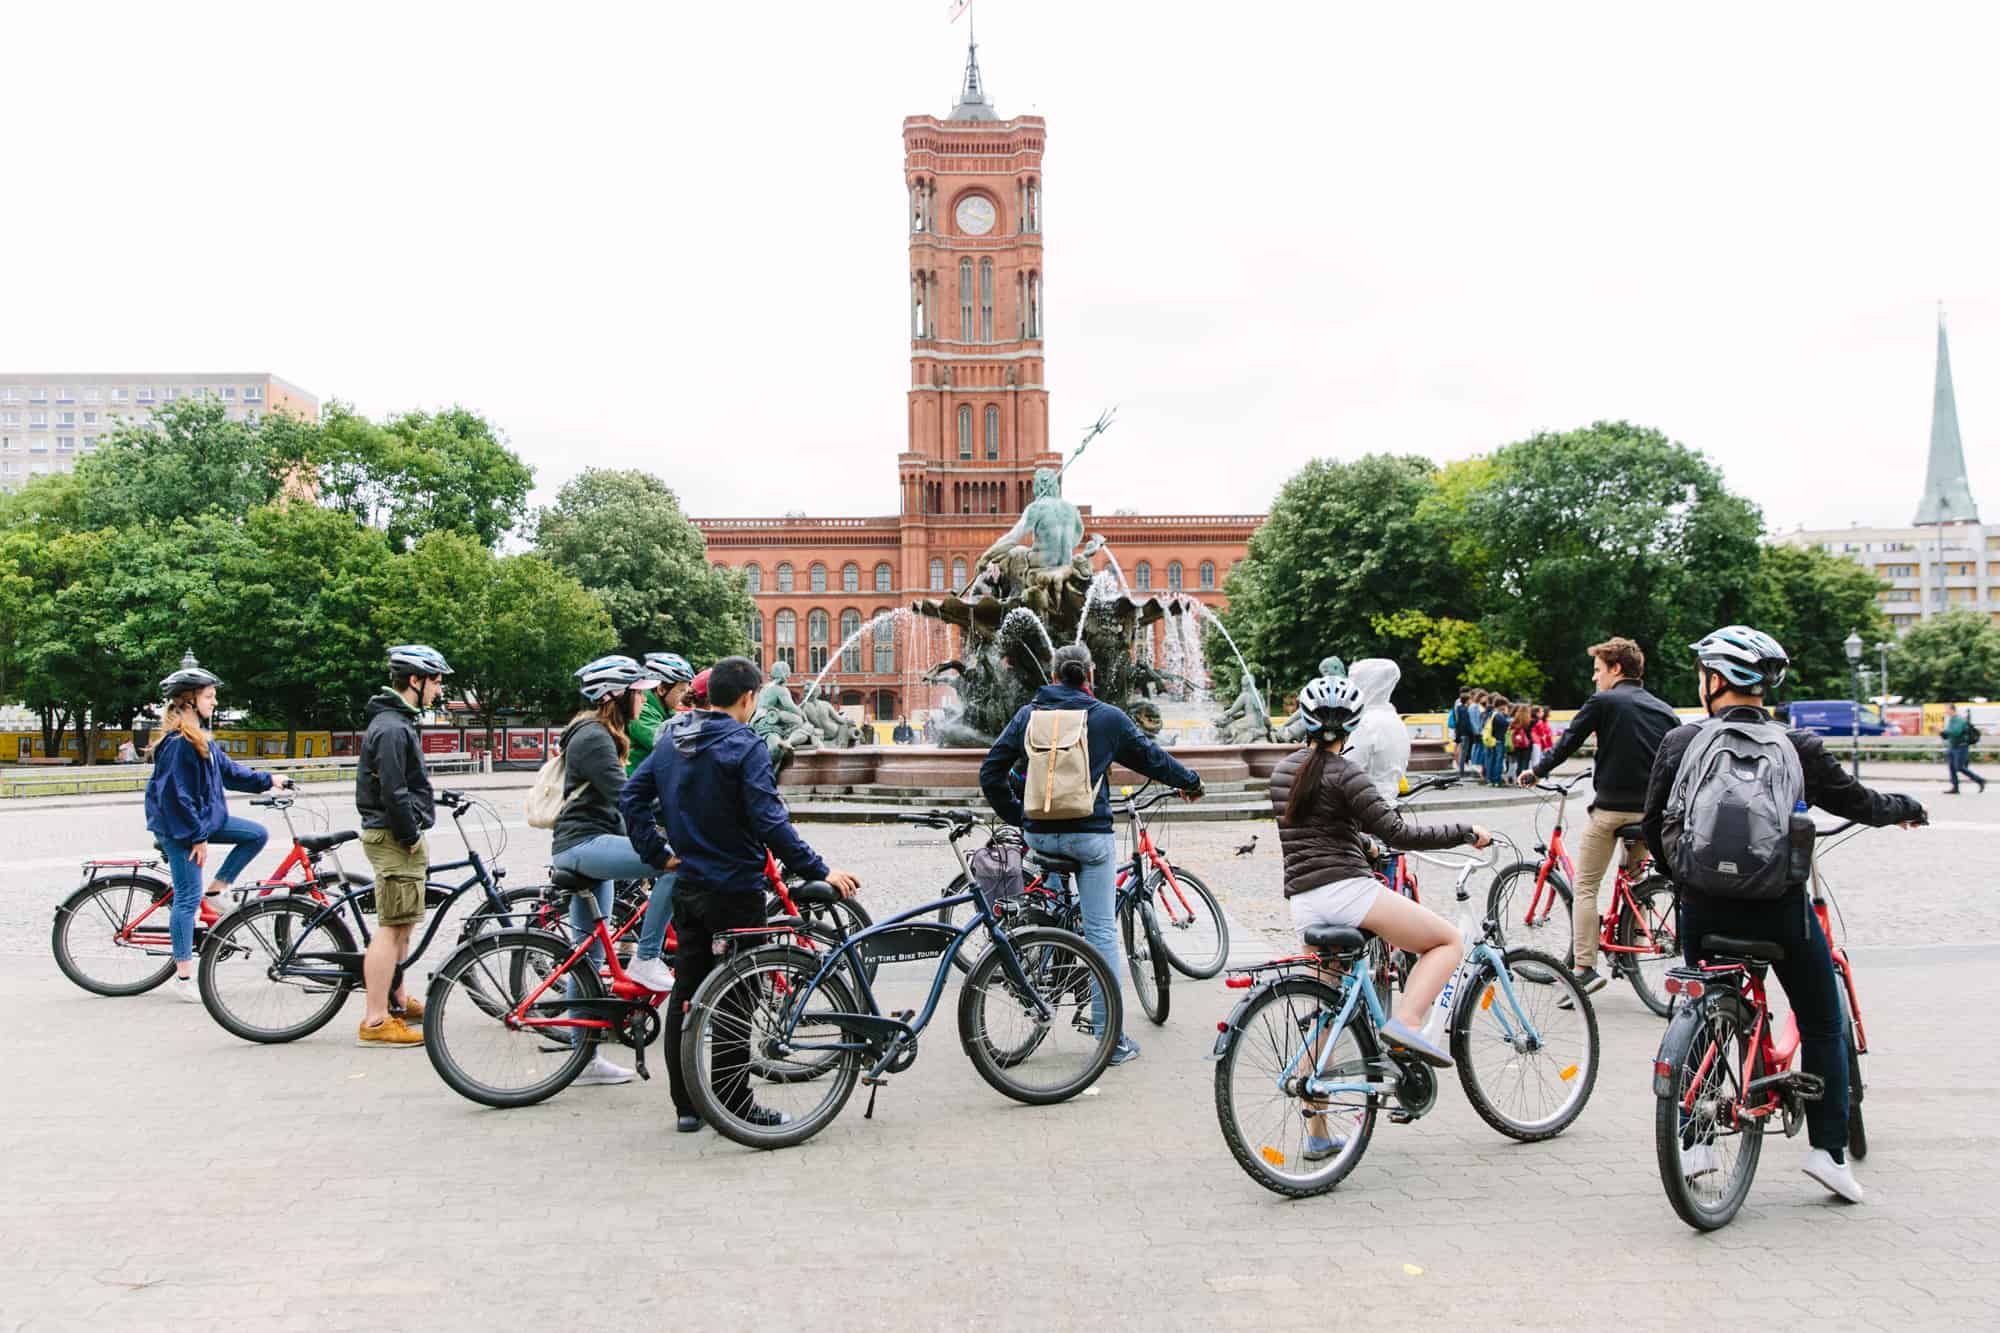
(1302, 1071)
(777, 1036)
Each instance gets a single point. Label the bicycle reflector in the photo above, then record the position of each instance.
(1688, 988)
(1239, 983)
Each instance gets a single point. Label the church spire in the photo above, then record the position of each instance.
(972, 103)
(1947, 493)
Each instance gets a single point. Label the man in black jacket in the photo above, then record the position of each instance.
(1738, 667)
(392, 790)
(1628, 723)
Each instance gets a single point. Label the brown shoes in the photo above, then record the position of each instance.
(392, 1031)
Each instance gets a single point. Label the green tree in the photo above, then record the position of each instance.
(417, 473)
(1611, 530)
(1346, 542)
(1464, 649)
(190, 459)
(1808, 600)
(1947, 659)
(621, 534)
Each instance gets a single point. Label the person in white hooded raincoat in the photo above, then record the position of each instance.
(1380, 743)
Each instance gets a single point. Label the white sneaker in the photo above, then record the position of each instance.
(653, 974)
(186, 990)
(601, 1070)
(1700, 1160)
(1836, 1176)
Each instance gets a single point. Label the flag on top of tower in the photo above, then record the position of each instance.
(958, 7)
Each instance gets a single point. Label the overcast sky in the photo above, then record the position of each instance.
(672, 236)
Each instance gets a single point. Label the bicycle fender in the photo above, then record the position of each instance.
(1225, 1031)
(1674, 1045)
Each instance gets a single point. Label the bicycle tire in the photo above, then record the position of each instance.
(743, 972)
(502, 967)
(1195, 957)
(93, 907)
(1151, 976)
(1857, 1127)
(1253, 1039)
(1064, 970)
(1722, 1028)
(960, 883)
(1577, 1077)
(1658, 902)
(1552, 921)
(288, 921)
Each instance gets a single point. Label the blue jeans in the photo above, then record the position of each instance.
(1958, 758)
(606, 857)
(249, 839)
(1098, 891)
(1495, 757)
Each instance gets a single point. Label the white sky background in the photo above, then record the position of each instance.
(672, 236)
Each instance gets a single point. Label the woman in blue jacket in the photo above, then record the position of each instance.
(187, 809)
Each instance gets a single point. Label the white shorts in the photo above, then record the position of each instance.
(1341, 903)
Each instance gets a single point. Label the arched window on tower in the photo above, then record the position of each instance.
(785, 577)
(965, 300)
(937, 574)
(786, 646)
(753, 578)
(816, 577)
(885, 577)
(965, 431)
(818, 626)
(1021, 303)
(1173, 576)
(1034, 305)
(756, 628)
(1142, 575)
(885, 645)
(986, 300)
(850, 638)
(850, 578)
(1206, 574)
(992, 435)
(958, 574)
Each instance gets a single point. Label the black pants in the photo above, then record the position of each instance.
(699, 915)
(1811, 987)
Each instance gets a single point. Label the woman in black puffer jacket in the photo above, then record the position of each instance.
(1324, 803)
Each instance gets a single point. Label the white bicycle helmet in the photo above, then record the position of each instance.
(1745, 657)
(1328, 706)
(671, 668)
(611, 675)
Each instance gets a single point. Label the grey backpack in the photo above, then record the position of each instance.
(1728, 829)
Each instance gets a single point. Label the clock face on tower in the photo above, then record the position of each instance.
(975, 215)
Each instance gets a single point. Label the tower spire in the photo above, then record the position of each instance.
(1947, 492)
(972, 101)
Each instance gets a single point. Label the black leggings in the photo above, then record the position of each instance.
(1810, 983)
(699, 915)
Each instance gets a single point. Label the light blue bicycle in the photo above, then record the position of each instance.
(1301, 1069)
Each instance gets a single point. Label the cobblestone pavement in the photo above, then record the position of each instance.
(161, 1173)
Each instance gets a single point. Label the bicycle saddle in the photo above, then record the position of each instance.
(571, 881)
(1344, 940)
(1630, 832)
(1757, 951)
(818, 893)
(1057, 865)
(319, 842)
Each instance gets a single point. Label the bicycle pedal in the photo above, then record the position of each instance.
(1400, 1117)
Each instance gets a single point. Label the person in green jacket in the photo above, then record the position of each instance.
(1958, 748)
(674, 674)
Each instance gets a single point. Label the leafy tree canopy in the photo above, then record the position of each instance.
(1948, 658)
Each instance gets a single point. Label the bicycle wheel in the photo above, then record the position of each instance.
(85, 937)
(483, 981)
(1147, 958)
(244, 986)
(1659, 913)
(1527, 1064)
(960, 883)
(1697, 1129)
(746, 1003)
(800, 1066)
(1018, 1051)
(1260, 1104)
(1857, 1128)
(1191, 923)
(1527, 918)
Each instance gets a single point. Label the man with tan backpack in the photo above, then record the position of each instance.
(1068, 739)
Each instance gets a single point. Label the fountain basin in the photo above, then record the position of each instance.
(927, 768)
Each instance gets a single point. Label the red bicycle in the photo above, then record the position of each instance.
(1724, 1072)
(1639, 932)
(110, 935)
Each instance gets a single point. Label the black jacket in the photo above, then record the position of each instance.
(1828, 785)
(391, 788)
(590, 761)
(1325, 846)
(1628, 723)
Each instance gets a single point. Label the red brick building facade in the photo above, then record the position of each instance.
(977, 428)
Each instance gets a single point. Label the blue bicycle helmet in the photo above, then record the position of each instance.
(1329, 706)
(1747, 658)
(418, 659)
(671, 668)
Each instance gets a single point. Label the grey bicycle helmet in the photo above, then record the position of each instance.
(1745, 657)
(611, 675)
(671, 668)
(189, 677)
(1328, 706)
(418, 659)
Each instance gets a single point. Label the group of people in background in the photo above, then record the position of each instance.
(1497, 738)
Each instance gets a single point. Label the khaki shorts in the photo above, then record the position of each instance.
(399, 876)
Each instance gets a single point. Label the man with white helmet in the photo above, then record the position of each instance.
(1738, 669)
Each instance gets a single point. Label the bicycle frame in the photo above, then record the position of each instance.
(1557, 857)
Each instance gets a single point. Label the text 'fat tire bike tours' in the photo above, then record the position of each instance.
(1300, 1058)
(1723, 1073)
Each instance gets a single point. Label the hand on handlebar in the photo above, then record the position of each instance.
(1482, 837)
(1528, 779)
(848, 884)
(1194, 793)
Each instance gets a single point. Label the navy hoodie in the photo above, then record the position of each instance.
(1114, 738)
(185, 796)
(709, 782)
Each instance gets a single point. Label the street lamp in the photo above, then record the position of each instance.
(1852, 646)
(1882, 652)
